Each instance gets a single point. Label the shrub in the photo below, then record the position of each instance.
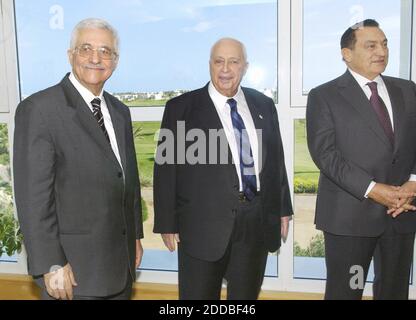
(10, 236)
(316, 248)
(305, 186)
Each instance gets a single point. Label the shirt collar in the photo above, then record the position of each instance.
(363, 81)
(217, 96)
(86, 94)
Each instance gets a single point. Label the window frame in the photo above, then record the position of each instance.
(12, 98)
(298, 96)
(297, 111)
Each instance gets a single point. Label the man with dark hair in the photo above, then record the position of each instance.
(361, 134)
(349, 39)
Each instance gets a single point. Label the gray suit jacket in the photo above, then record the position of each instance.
(349, 146)
(72, 201)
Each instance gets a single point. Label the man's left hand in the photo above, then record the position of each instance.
(405, 204)
(139, 253)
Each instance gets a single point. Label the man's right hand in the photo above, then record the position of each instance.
(59, 283)
(170, 240)
(389, 196)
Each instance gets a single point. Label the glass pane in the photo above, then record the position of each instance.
(156, 256)
(308, 242)
(309, 246)
(8, 241)
(164, 48)
(325, 22)
(164, 52)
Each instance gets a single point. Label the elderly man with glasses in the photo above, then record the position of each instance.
(76, 180)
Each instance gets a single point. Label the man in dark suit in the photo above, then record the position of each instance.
(76, 181)
(226, 201)
(361, 134)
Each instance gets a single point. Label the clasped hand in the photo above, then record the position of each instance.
(396, 199)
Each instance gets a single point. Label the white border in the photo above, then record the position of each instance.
(413, 77)
(290, 15)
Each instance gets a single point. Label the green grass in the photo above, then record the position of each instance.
(146, 103)
(305, 169)
(145, 149)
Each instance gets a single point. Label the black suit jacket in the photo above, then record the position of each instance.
(198, 201)
(349, 146)
(72, 201)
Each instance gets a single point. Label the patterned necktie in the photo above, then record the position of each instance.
(98, 115)
(381, 111)
(248, 175)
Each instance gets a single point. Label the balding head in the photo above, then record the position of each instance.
(230, 41)
(228, 65)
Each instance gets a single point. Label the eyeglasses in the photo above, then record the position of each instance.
(104, 53)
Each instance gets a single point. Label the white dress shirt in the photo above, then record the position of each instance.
(383, 93)
(224, 113)
(88, 96)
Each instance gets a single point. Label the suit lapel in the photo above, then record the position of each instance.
(353, 93)
(259, 124)
(399, 115)
(207, 113)
(84, 117)
(119, 128)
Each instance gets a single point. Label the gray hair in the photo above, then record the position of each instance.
(93, 23)
(243, 47)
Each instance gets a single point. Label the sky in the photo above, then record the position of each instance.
(326, 20)
(165, 44)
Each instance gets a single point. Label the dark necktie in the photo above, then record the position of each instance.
(248, 175)
(98, 115)
(381, 111)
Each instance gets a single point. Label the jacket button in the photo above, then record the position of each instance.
(124, 232)
(394, 161)
(120, 174)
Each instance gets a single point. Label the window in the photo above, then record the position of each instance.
(318, 26)
(308, 242)
(293, 46)
(164, 52)
(8, 240)
(309, 246)
(323, 24)
(164, 46)
(156, 256)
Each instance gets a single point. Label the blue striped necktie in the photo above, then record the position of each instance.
(248, 175)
